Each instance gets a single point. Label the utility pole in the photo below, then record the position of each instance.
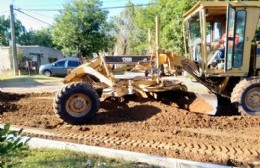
(14, 50)
(157, 43)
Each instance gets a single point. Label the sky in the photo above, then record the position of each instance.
(47, 17)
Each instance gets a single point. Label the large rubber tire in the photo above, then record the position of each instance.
(246, 97)
(76, 103)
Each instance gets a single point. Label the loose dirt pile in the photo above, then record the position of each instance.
(6, 102)
(162, 127)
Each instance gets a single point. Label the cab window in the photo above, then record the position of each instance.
(239, 38)
(257, 33)
(214, 31)
(195, 37)
(217, 31)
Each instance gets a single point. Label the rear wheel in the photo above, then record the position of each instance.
(76, 103)
(246, 97)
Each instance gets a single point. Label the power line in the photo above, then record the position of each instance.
(19, 10)
(113, 1)
(111, 7)
(39, 14)
(41, 5)
(40, 9)
(51, 5)
(128, 6)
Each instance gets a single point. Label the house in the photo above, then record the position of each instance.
(39, 54)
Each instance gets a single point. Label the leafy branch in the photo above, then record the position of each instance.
(11, 144)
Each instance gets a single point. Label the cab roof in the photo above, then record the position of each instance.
(219, 7)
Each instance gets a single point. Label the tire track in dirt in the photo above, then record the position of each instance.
(233, 153)
(146, 126)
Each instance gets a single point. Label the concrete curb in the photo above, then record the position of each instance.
(121, 154)
(114, 153)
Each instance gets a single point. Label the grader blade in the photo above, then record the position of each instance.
(204, 103)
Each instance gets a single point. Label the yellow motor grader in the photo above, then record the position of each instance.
(235, 75)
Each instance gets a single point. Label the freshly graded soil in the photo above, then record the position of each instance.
(163, 127)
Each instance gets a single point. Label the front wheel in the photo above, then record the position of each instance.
(47, 73)
(246, 97)
(76, 103)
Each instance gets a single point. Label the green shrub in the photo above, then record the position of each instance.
(11, 144)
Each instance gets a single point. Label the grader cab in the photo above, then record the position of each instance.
(234, 73)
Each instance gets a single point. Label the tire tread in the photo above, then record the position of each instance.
(57, 103)
(238, 90)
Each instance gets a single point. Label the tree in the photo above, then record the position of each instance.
(4, 27)
(171, 23)
(5, 30)
(38, 37)
(131, 29)
(82, 28)
(125, 29)
(144, 20)
(133, 24)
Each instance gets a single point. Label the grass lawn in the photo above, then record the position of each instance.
(39, 158)
(8, 79)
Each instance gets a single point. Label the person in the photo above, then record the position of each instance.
(221, 50)
(222, 42)
(219, 54)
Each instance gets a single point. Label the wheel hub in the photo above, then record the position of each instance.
(253, 99)
(78, 105)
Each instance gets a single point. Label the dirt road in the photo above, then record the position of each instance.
(145, 125)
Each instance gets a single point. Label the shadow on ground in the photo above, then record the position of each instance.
(117, 112)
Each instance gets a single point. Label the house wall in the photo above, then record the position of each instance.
(5, 58)
(45, 52)
(31, 52)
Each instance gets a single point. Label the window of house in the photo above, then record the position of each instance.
(51, 60)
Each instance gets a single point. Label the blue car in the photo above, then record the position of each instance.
(60, 67)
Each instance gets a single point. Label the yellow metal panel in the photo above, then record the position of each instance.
(162, 58)
(219, 5)
(252, 18)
